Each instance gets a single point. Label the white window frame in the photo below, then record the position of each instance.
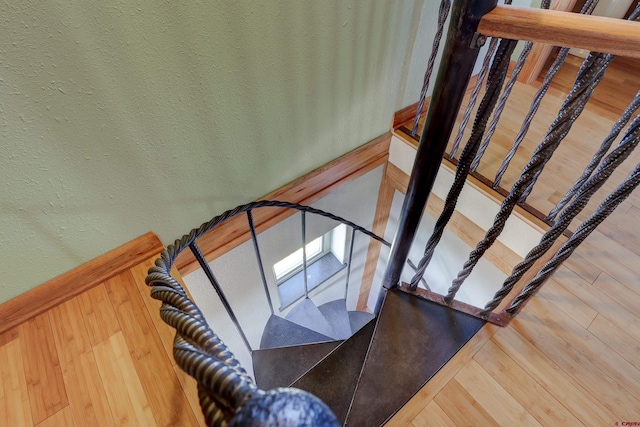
(291, 265)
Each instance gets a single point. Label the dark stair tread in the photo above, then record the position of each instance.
(280, 367)
(280, 332)
(358, 319)
(334, 379)
(307, 314)
(414, 338)
(336, 314)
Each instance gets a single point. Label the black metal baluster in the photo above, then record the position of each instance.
(456, 66)
(346, 286)
(254, 237)
(214, 282)
(304, 253)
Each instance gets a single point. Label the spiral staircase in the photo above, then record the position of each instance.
(366, 377)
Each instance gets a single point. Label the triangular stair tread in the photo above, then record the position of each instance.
(336, 314)
(280, 367)
(414, 338)
(358, 319)
(280, 332)
(334, 379)
(307, 314)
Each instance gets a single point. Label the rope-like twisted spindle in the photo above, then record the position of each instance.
(494, 84)
(493, 44)
(537, 100)
(588, 78)
(597, 157)
(605, 209)
(583, 195)
(502, 102)
(443, 13)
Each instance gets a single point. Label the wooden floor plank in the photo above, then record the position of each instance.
(15, 407)
(624, 295)
(567, 303)
(42, 371)
(152, 364)
(166, 332)
(132, 315)
(584, 342)
(127, 400)
(583, 356)
(190, 388)
(88, 402)
(522, 387)
(600, 301)
(461, 407)
(432, 415)
(492, 397)
(99, 316)
(617, 339)
(440, 380)
(587, 408)
(62, 418)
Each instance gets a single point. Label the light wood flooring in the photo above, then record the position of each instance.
(572, 357)
(102, 358)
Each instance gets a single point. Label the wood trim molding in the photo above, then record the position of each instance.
(64, 287)
(304, 190)
(380, 218)
(595, 33)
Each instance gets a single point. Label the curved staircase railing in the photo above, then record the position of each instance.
(228, 395)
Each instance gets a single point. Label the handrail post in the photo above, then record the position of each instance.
(346, 285)
(216, 286)
(256, 248)
(304, 253)
(458, 59)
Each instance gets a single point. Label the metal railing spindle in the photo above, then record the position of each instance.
(216, 285)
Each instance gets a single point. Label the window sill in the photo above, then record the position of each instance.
(318, 272)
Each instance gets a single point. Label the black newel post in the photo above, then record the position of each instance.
(459, 57)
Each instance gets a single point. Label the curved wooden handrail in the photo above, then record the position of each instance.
(596, 33)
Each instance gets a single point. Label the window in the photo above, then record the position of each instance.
(325, 257)
(293, 263)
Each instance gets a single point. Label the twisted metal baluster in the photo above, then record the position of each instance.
(589, 76)
(597, 157)
(443, 13)
(504, 97)
(493, 44)
(582, 197)
(605, 209)
(494, 84)
(634, 17)
(537, 100)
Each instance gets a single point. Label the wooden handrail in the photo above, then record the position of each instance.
(596, 33)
